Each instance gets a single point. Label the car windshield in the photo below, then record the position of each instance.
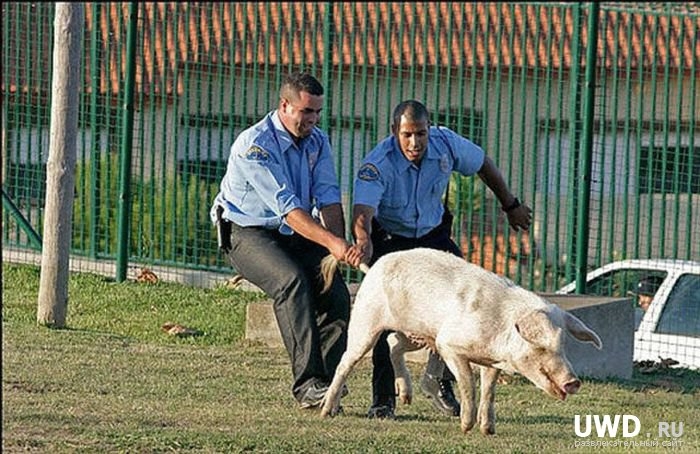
(639, 284)
(623, 282)
(681, 314)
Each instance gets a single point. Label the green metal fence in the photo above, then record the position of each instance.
(590, 110)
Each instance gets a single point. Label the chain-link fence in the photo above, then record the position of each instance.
(591, 112)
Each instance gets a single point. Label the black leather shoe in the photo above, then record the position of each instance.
(441, 395)
(382, 409)
(313, 396)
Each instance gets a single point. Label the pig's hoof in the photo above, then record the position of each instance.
(488, 429)
(327, 412)
(466, 427)
(404, 391)
(406, 399)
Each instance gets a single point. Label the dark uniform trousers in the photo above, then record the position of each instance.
(313, 325)
(385, 243)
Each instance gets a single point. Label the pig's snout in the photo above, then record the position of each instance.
(572, 386)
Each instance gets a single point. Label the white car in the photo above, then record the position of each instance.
(670, 327)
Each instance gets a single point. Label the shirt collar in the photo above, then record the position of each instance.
(283, 137)
(404, 164)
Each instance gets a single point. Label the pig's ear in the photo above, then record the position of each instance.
(537, 328)
(580, 331)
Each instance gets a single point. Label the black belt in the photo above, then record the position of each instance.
(379, 233)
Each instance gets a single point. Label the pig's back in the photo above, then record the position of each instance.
(409, 278)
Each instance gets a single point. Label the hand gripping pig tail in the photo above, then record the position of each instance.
(328, 266)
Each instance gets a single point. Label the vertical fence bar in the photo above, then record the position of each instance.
(543, 134)
(692, 155)
(613, 211)
(677, 177)
(462, 128)
(255, 38)
(112, 62)
(345, 156)
(559, 244)
(485, 112)
(627, 134)
(94, 219)
(666, 158)
(388, 37)
(375, 73)
(426, 56)
(584, 187)
(138, 196)
(412, 39)
(436, 65)
(526, 12)
(365, 76)
(641, 102)
(398, 79)
(157, 87)
(532, 199)
(477, 135)
(31, 116)
(510, 145)
(602, 178)
(573, 146)
(290, 40)
(326, 64)
(495, 151)
(650, 157)
(127, 134)
(10, 117)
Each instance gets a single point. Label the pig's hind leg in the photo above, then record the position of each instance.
(399, 345)
(363, 333)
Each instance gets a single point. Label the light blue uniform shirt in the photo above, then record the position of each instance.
(268, 175)
(407, 199)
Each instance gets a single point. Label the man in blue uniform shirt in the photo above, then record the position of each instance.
(281, 197)
(398, 206)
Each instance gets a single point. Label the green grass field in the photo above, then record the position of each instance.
(113, 381)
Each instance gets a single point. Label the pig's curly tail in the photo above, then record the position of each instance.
(328, 266)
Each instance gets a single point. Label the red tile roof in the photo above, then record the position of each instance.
(391, 35)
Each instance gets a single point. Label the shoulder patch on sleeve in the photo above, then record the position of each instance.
(255, 153)
(368, 172)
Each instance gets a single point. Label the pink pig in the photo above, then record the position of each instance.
(472, 317)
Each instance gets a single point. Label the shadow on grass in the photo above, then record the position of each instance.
(93, 332)
(678, 380)
(401, 416)
(535, 419)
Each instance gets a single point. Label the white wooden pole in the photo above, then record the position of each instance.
(60, 169)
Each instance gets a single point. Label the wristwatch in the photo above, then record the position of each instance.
(512, 206)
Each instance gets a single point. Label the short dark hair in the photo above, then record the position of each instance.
(296, 82)
(412, 109)
(648, 285)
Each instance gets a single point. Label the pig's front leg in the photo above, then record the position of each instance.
(462, 370)
(398, 346)
(487, 413)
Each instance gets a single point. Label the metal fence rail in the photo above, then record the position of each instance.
(600, 137)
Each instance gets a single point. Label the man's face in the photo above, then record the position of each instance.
(412, 136)
(645, 301)
(300, 116)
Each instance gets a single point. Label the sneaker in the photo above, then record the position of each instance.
(382, 409)
(313, 396)
(441, 395)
